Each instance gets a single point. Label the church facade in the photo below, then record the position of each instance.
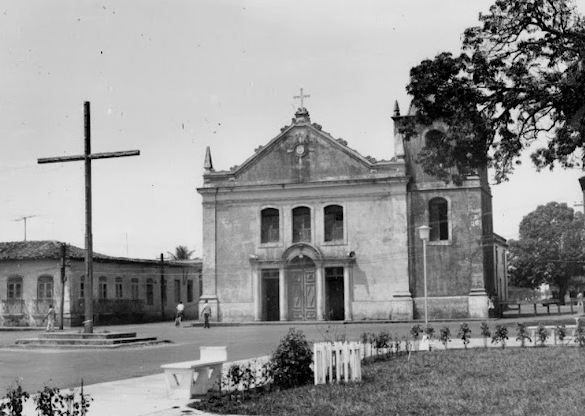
(309, 229)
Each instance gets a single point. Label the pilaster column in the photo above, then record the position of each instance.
(282, 294)
(257, 288)
(347, 272)
(320, 293)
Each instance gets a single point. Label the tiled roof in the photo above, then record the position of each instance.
(50, 249)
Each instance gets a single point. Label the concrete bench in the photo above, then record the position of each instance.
(553, 331)
(195, 378)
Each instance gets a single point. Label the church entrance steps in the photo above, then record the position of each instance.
(82, 340)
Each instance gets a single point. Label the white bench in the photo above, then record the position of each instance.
(195, 378)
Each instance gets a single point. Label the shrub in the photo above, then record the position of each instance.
(542, 334)
(485, 332)
(464, 334)
(15, 398)
(383, 340)
(430, 332)
(522, 334)
(53, 402)
(500, 335)
(291, 362)
(415, 331)
(580, 333)
(562, 333)
(445, 336)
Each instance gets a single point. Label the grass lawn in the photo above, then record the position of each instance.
(494, 381)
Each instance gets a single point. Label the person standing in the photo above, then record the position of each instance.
(206, 314)
(50, 316)
(579, 301)
(179, 317)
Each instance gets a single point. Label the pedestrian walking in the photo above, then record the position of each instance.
(206, 314)
(579, 301)
(50, 316)
(179, 315)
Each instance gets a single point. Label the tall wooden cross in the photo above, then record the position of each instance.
(87, 158)
(302, 97)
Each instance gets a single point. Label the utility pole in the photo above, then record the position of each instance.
(163, 287)
(24, 220)
(87, 158)
(63, 280)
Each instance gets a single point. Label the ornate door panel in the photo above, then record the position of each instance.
(302, 302)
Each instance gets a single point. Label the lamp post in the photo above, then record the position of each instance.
(424, 232)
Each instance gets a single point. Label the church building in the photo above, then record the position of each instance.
(309, 229)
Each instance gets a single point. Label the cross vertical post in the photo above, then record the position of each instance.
(86, 158)
(302, 97)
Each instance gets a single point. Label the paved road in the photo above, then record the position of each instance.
(65, 368)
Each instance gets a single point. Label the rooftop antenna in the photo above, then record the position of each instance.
(24, 220)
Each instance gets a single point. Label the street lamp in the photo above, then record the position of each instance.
(423, 233)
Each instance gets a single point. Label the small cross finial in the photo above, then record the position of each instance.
(302, 97)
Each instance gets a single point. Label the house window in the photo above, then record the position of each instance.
(301, 224)
(189, 290)
(149, 292)
(82, 287)
(119, 288)
(134, 288)
(438, 219)
(333, 223)
(177, 290)
(45, 288)
(270, 226)
(14, 288)
(163, 290)
(103, 287)
(200, 283)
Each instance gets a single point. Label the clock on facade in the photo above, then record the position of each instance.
(300, 150)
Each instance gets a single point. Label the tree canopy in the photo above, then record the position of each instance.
(520, 75)
(550, 248)
(181, 253)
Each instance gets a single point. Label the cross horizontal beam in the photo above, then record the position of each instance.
(106, 155)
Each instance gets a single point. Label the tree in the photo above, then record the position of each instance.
(549, 249)
(181, 253)
(520, 77)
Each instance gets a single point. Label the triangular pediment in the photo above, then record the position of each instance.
(302, 153)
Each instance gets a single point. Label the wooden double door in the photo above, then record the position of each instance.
(302, 299)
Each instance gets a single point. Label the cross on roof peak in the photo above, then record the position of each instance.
(302, 97)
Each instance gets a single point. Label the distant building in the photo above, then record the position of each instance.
(124, 290)
(309, 229)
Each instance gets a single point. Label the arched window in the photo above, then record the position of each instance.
(439, 219)
(14, 288)
(301, 224)
(149, 292)
(270, 232)
(103, 287)
(119, 288)
(45, 287)
(333, 223)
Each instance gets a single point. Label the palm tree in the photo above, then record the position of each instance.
(181, 253)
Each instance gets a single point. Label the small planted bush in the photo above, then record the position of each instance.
(485, 332)
(522, 334)
(445, 336)
(542, 334)
(500, 335)
(415, 331)
(383, 340)
(464, 334)
(430, 332)
(580, 333)
(562, 333)
(14, 400)
(291, 361)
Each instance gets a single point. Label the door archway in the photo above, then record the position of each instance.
(302, 298)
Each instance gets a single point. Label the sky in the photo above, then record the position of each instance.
(171, 78)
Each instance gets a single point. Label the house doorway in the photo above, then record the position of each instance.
(271, 291)
(334, 297)
(302, 289)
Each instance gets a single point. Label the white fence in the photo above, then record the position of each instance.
(337, 361)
